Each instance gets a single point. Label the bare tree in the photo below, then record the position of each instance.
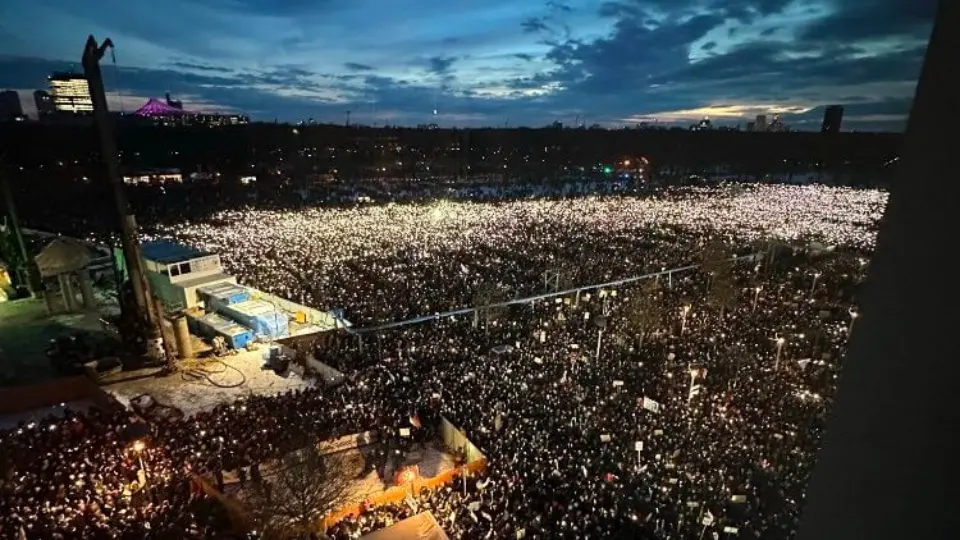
(484, 301)
(643, 312)
(305, 487)
(723, 293)
(715, 259)
(717, 264)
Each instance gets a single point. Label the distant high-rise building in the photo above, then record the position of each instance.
(761, 123)
(832, 117)
(10, 107)
(777, 125)
(70, 93)
(751, 126)
(44, 102)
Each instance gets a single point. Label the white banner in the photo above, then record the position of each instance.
(651, 405)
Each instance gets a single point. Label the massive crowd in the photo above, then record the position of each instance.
(594, 427)
(439, 255)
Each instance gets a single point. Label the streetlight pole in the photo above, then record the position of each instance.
(599, 337)
(138, 447)
(756, 296)
(780, 342)
(853, 318)
(683, 318)
(693, 379)
(816, 276)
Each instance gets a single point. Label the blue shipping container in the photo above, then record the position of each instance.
(224, 294)
(212, 325)
(261, 317)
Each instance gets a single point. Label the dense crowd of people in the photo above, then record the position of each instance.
(440, 255)
(687, 406)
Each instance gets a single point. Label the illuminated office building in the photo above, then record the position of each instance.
(70, 93)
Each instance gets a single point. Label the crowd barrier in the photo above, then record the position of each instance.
(330, 376)
(546, 296)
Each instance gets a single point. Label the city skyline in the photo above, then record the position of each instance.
(528, 63)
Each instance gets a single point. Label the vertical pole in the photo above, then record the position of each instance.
(92, 54)
(21, 270)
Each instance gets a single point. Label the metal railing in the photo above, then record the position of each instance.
(528, 299)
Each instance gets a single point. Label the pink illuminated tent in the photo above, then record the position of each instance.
(155, 107)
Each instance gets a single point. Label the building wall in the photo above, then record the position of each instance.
(71, 93)
(10, 106)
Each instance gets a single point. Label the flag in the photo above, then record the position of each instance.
(464, 269)
(415, 421)
(707, 519)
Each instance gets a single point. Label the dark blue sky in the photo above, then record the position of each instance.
(491, 61)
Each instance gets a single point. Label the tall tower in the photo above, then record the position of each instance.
(832, 117)
(761, 122)
(10, 105)
(44, 102)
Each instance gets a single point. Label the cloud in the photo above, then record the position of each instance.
(441, 64)
(354, 66)
(199, 67)
(481, 63)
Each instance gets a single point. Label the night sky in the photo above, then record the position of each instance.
(488, 62)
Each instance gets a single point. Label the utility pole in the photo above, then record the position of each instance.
(144, 315)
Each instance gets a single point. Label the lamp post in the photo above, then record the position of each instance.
(138, 447)
(683, 318)
(694, 373)
(816, 276)
(780, 341)
(756, 296)
(600, 321)
(853, 318)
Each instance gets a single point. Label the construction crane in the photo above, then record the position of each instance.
(141, 312)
